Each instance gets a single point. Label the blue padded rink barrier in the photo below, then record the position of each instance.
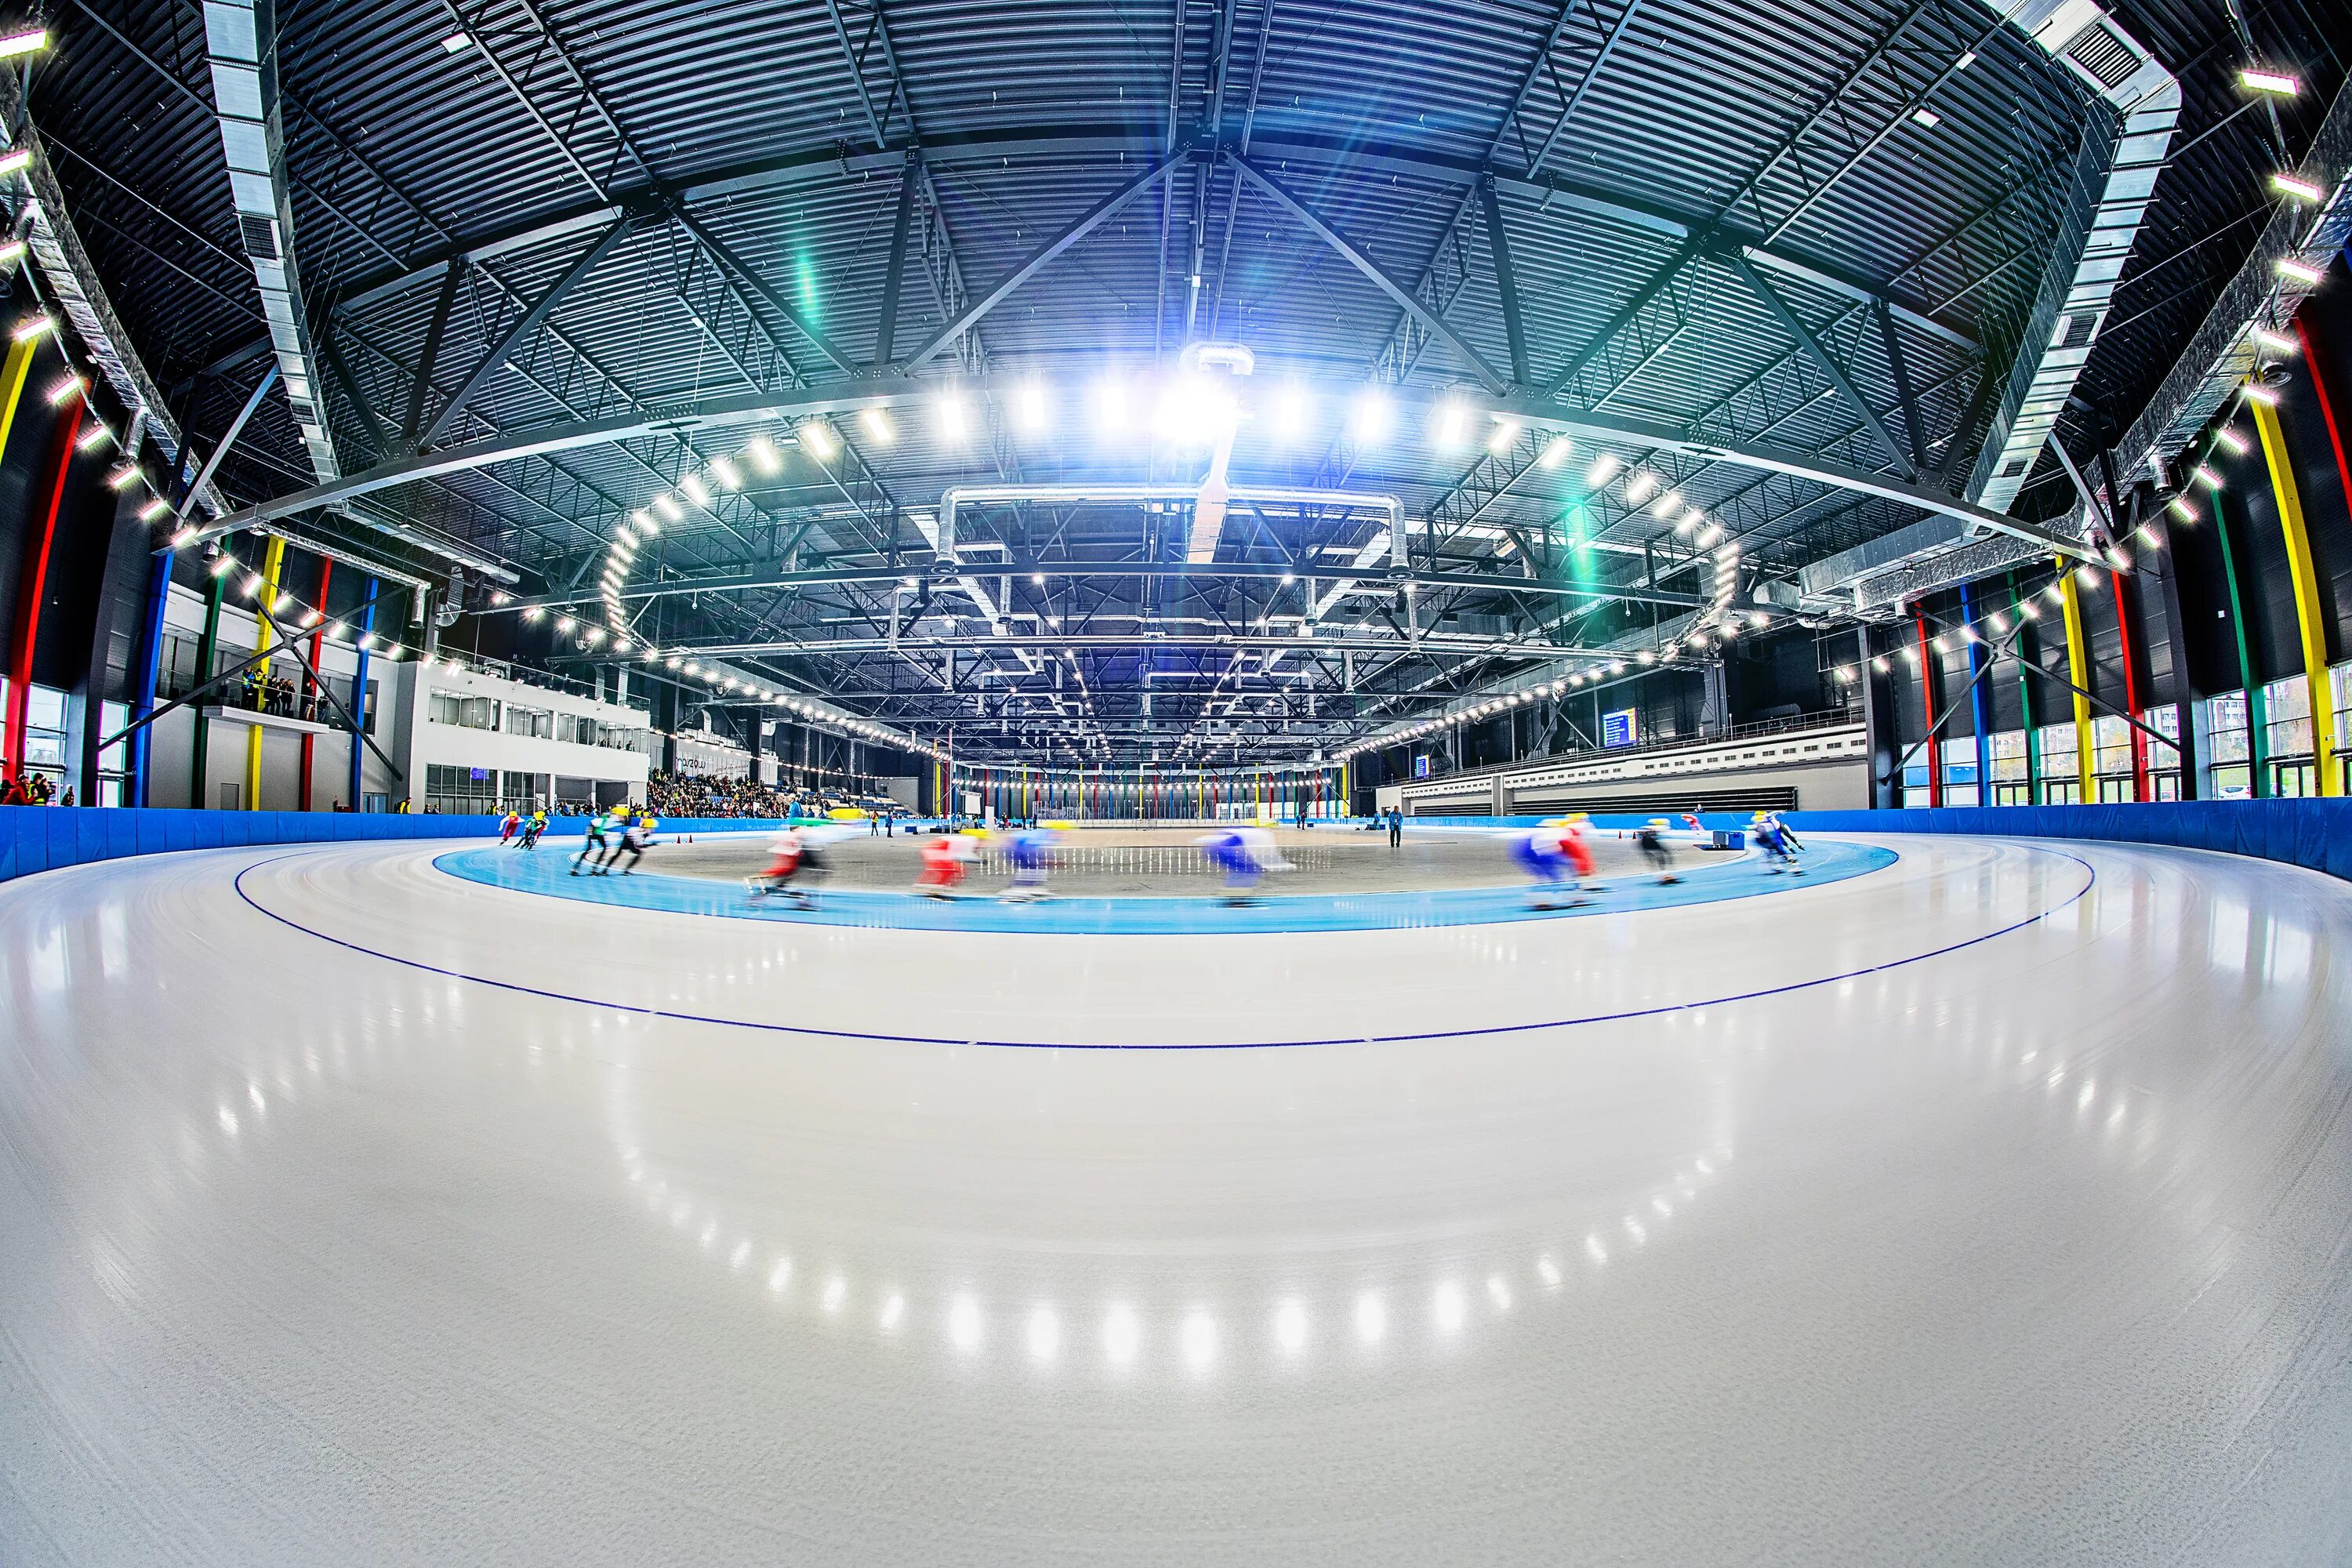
(1987, 1203)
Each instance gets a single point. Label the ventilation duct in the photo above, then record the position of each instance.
(239, 43)
(2109, 198)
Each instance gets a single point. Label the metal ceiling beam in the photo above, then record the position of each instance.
(1827, 362)
(1404, 298)
(891, 577)
(1544, 190)
(523, 325)
(850, 397)
(774, 298)
(1085, 225)
(1507, 282)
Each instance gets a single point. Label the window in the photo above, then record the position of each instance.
(2287, 708)
(538, 723)
(44, 729)
(176, 672)
(1960, 771)
(471, 712)
(577, 728)
(2060, 785)
(461, 791)
(523, 791)
(2230, 773)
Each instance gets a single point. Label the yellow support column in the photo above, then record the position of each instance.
(2307, 612)
(272, 560)
(12, 387)
(2078, 670)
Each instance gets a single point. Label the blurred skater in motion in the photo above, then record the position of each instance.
(1542, 853)
(1031, 854)
(633, 841)
(533, 826)
(509, 827)
(946, 859)
(1700, 837)
(1652, 838)
(1779, 845)
(593, 842)
(1245, 854)
(1557, 855)
(788, 857)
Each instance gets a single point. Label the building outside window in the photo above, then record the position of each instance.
(1960, 784)
(2060, 784)
(2164, 763)
(2111, 758)
(539, 722)
(2230, 774)
(2012, 778)
(2286, 704)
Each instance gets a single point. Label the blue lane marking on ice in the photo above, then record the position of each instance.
(1707, 878)
(2090, 880)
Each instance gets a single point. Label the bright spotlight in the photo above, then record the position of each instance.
(1292, 410)
(1369, 420)
(1029, 408)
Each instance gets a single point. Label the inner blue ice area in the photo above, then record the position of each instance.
(1707, 878)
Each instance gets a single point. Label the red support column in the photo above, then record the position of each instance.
(310, 687)
(33, 586)
(1927, 706)
(2131, 686)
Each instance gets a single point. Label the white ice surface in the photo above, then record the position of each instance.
(2037, 1250)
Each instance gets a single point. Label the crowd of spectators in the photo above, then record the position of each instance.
(696, 795)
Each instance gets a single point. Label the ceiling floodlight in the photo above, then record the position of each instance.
(695, 491)
(2277, 343)
(1556, 451)
(1605, 468)
(2180, 509)
(155, 509)
(122, 477)
(819, 439)
(1667, 504)
(65, 391)
(12, 253)
(1639, 488)
(2301, 271)
(879, 429)
(16, 161)
(1453, 423)
(26, 330)
(1111, 411)
(2233, 440)
(2206, 477)
(728, 476)
(1505, 432)
(1714, 531)
(458, 43)
(668, 509)
(1926, 117)
(27, 42)
(1291, 411)
(765, 456)
(564, 625)
(2300, 190)
(2257, 393)
(2276, 82)
(184, 538)
(534, 613)
(1370, 418)
(94, 437)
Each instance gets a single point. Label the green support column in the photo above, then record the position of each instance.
(2258, 781)
(207, 648)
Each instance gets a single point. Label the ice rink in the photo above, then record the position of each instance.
(1992, 1205)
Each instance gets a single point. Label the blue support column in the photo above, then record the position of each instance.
(359, 697)
(151, 664)
(1980, 700)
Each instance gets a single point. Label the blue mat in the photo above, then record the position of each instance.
(1705, 880)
